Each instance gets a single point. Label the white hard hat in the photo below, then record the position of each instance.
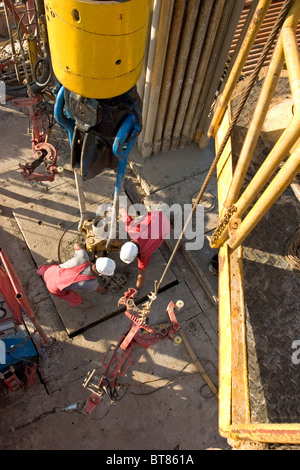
(105, 266)
(128, 252)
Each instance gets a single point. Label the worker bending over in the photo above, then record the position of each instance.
(76, 273)
(147, 233)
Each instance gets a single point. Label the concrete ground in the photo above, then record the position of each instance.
(163, 402)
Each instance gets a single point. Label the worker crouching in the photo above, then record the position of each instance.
(147, 233)
(77, 273)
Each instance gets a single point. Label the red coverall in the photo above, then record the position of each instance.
(58, 280)
(149, 234)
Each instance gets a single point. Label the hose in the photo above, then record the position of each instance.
(39, 84)
(36, 79)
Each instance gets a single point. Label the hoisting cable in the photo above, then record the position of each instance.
(278, 24)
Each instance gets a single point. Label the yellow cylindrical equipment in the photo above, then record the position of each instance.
(97, 47)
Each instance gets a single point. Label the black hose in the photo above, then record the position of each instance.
(39, 84)
(36, 79)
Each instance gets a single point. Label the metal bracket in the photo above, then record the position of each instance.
(11, 379)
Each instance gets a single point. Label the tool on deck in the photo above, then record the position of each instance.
(138, 334)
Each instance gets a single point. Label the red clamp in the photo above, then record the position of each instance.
(128, 295)
(92, 403)
(172, 317)
(30, 373)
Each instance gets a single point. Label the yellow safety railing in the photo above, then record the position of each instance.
(234, 408)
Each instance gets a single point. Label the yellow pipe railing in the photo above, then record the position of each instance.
(280, 182)
(224, 171)
(236, 71)
(234, 415)
(285, 51)
(256, 124)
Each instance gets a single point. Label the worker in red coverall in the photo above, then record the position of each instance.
(76, 273)
(147, 233)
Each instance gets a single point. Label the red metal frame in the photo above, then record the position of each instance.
(43, 152)
(15, 296)
(121, 358)
(8, 295)
(12, 9)
(29, 8)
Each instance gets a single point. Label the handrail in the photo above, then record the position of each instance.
(286, 51)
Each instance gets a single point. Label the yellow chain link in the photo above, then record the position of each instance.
(223, 224)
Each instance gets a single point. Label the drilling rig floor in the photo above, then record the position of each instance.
(164, 386)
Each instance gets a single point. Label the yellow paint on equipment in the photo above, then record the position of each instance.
(97, 48)
(33, 51)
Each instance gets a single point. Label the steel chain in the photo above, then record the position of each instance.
(223, 224)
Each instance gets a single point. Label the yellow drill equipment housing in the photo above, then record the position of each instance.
(97, 47)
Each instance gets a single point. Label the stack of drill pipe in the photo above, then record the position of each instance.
(187, 53)
(190, 48)
(178, 15)
(227, 25)
(243, 20)
(181, 63)
(200, 78)
(157, 75)
(141, 82)
(244, 50)
(191, 70)
(153, 31)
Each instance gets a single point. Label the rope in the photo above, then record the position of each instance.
(277, 26)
